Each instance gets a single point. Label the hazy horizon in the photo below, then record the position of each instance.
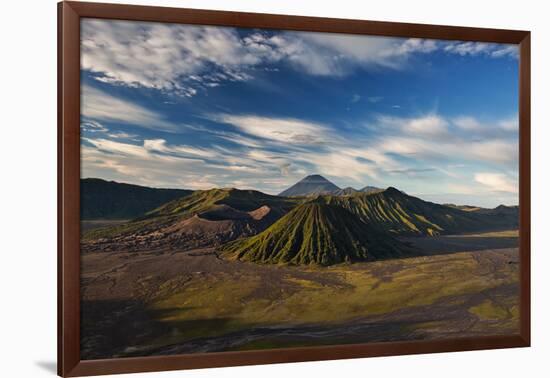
(426, 197)
(193, 107)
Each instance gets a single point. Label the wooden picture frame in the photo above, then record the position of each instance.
(69, 16)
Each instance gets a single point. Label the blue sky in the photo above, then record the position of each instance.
(199, 107)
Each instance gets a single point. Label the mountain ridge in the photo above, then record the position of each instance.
(316, 233)
(222, 214)
(102, 199)
(319, 229)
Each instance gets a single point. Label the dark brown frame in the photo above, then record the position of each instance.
(69, 14)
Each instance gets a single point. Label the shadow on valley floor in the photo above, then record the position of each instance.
(124, 328)
(439, 245)
(131, 335)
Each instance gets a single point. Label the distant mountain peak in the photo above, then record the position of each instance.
(310, 185)
(314, 178)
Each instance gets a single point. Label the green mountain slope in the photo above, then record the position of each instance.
(214, 215)
(398, 213)
(201, 200)
(316, 233)
(102, 199)
(327, 229)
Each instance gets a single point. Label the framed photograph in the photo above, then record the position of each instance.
(239, 188)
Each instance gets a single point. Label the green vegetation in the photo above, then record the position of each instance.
(132, 227)
(202, 200)
(316, 233)
(488, 310)
(323, 230)
(398, 213)
(195, 203)
(311, 295)
(303, 289)
(333, 229)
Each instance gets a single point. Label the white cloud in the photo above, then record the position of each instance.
(99, 106)
(239, 139)
(502, 152)
(154, 162)
(499, 151)
(497, 182)
(134, 164)
(425, 141)
(122, 135)
(118, 148)
(431, 125)
(468, 123)
(330, 54)
(510, 124)
(268, 157)
(339, 163)
(493, 50)
(93, 127)
(509, 50)
(159, 145)
(276, 152)
(475, 126)
(183, 59)
(430, 137)
(161, 56)
(282, 130)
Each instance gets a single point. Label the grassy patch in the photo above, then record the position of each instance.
(225, 303)
(488, 310)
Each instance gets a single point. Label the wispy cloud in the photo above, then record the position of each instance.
(161, 56)
(97, 105)
(475, 125)
(283, 130)
(468, 123)
(93, 127)
(510, 124)
(497, 182)
(160, 145)
(156, 162)
(411, 172)
(431, 125)
(493, 50)
(185, 59)
(327, 54)
(267, 148)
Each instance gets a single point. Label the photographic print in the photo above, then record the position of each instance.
(248, 189)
